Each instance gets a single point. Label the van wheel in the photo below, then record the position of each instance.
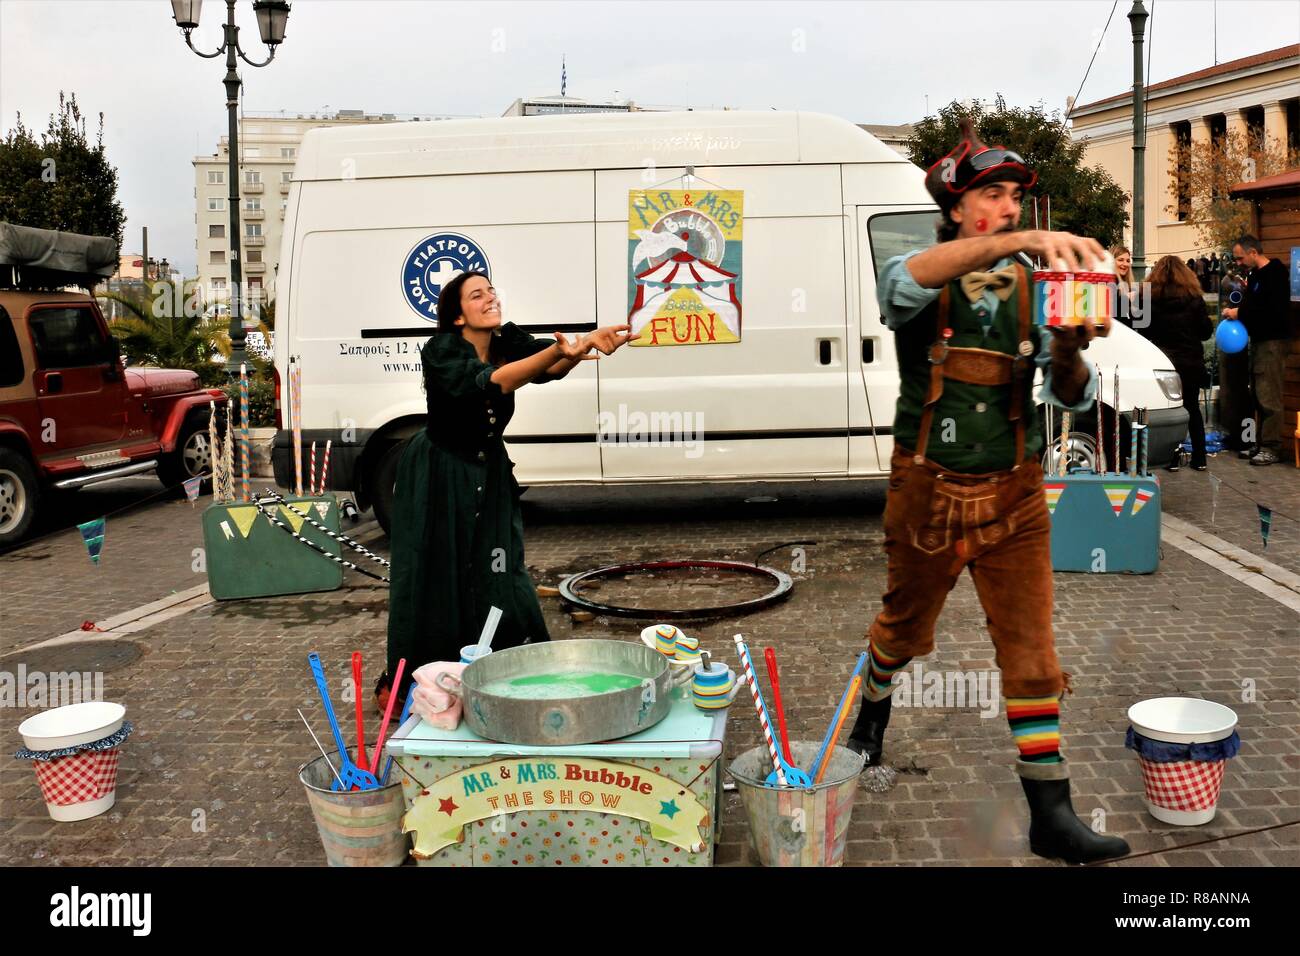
(382, 480)
(18, 495)
(1080, 454)
(192, 457)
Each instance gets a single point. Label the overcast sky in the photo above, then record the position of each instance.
(869, 62)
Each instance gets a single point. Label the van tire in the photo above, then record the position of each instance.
(192, 457)
(381, 482)
(19, 492)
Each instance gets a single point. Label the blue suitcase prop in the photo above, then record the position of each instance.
(1104, 524)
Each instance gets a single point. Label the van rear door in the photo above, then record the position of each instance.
(883, 232)
(776, 402)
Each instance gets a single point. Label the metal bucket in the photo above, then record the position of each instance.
(358, 827)
(574, 720)
(790, 826)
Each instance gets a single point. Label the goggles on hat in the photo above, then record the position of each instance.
(987, 159)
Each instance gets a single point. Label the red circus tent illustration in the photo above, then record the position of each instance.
(715, 287)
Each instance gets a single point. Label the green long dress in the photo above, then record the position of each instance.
(457, 532)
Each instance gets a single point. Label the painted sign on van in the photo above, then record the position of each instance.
(684, 265)
(435, 261)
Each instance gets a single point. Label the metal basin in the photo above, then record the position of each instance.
(572, 720)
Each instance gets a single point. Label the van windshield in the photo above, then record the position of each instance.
(895, 233)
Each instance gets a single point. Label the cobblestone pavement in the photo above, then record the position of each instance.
(210, 775)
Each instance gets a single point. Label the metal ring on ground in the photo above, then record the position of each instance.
(783, 583)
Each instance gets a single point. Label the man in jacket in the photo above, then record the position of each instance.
(965, 488)
(1263, 311)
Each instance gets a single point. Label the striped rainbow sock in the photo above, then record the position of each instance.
(1036, 727)
(880, 674)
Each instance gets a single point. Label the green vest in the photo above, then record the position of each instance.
(971, 432)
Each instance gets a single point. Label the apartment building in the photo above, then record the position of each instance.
(1254, 93)
(268, 146)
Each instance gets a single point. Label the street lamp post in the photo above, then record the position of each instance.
(1137, 18)
(272, 15)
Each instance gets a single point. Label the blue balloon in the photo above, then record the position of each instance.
(1231, 336)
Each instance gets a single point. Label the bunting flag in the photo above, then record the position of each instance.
(1143, 496)
(92, 533)
(1053, 493)
(1118, 494)
(1265, 521)
(192, 487)
(225, 528)
(295, 520)
(243, 518)
(323, 509)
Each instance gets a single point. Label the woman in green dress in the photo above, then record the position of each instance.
(457, 533)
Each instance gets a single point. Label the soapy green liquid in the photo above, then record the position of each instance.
(561, 685)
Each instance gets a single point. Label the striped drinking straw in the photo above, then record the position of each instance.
(311, 472)
(243, 432)
(758, 706)
(325, 466)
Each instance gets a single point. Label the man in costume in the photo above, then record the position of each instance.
(965, 488)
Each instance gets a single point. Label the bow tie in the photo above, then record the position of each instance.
(1002, 282)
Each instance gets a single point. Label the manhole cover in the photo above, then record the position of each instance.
(95, 656)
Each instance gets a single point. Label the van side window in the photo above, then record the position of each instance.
(11, 356)
(894, 233)
(67, 337)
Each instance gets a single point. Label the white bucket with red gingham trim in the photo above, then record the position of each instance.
(79, 786)
(1185, 792)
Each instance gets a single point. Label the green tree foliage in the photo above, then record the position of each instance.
(1085, 200)
(168, 329)
(62, 182)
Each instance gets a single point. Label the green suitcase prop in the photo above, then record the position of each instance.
(249, 557)
(1104, 523)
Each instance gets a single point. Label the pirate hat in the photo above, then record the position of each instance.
(970, 164)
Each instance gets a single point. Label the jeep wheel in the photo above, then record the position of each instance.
(383, 479)
(18, 493)
(192, 457)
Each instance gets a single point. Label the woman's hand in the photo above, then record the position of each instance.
(609, 339)
(573, 351)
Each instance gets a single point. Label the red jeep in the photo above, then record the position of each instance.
(71, 414)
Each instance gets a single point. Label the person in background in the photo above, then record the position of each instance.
(1179, 324)
(1263, 311)
(1125, 287)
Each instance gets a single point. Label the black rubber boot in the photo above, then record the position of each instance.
(1055, 832)
(868, 734)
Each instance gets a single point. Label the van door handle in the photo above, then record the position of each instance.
(53, 383)
(868, 351)
(825, 353)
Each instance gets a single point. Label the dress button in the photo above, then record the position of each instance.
(981, 407)
(491, 434)
(482, 456)
(492, 421)
(479, 488)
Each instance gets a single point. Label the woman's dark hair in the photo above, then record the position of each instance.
(449, 302)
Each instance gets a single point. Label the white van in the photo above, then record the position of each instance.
(542, 204)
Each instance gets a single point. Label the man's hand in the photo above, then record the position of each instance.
(1062, 251)
(1229, 313)
(1069, 339)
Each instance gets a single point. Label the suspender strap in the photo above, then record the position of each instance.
(936, 372)
(1023, 364)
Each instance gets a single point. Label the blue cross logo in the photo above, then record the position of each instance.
(435, 261)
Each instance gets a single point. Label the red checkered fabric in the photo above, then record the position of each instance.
(1184, 784)
(78, 778)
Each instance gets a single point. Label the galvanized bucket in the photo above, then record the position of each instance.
(790, 826)
(359, 827)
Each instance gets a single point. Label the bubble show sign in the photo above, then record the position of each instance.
(684, 265)
(439, 814)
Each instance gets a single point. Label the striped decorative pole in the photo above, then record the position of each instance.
(1101, 441)
(243, 432)
(228, 480)
(1116, 407)
(295, 416)
(758, 706)
(1134, 430)
(313, 545)
(214, 451)
(311, 472)
(1065, 443)
(325, 466)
